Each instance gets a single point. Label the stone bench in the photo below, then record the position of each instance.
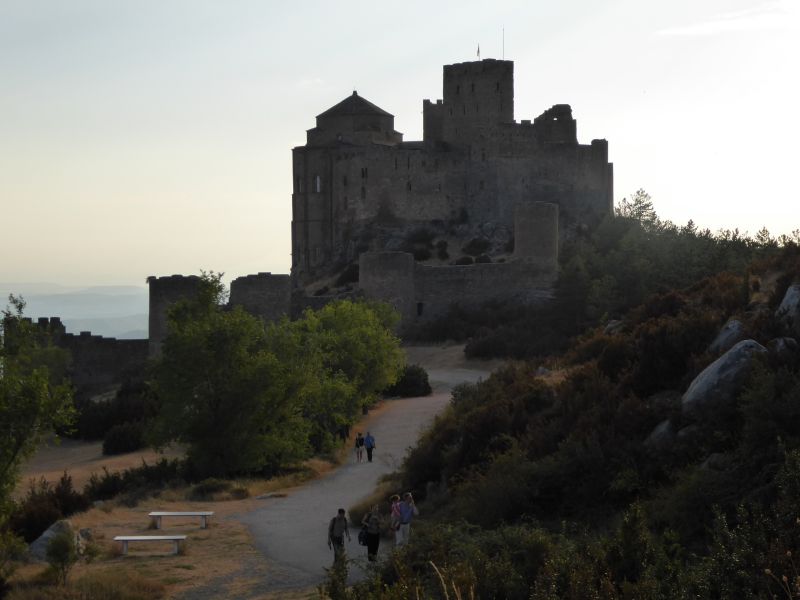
(203, 514)
(175, 539)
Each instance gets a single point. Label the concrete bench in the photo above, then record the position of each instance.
(203, 514)
(176, 539)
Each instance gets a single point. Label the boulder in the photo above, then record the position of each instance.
(789, 310)
(38, 549)
(717, 462)
(689, 435)
(719, 383)
(613, 326)
(542, 372)
(731, 333)
(662, 437)
(783, 349)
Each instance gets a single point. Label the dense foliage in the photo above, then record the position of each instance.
(604, 273)
(412, 382)
(544, 485)
(246, 398)
(34, 401)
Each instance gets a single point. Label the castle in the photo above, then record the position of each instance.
(471, 213)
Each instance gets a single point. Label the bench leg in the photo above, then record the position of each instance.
(204, 523)
(124, 547)
(175, 550)
(158, 522)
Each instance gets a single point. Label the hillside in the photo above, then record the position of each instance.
(657, 456)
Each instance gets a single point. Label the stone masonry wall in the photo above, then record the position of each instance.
(164, 292)
(264, 295)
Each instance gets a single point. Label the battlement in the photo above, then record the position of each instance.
(265, 295)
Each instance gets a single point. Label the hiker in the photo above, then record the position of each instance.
(394, 516)
(372, 523)
(359, 447)
(369, 444)
(337, 529)
(408, 510)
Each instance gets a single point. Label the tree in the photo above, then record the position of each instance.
(343, 355)
(34, 402)
(222, 392)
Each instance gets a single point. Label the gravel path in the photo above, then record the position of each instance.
(291, 532)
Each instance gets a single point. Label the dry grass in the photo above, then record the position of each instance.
(82, 459)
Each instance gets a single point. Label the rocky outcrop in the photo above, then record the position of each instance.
(789, 310)
(731, 333)
(38, 549)
(662, 437)
(783, 349)
(722, 380)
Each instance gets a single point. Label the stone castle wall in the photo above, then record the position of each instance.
(96, 362)
(264, 295)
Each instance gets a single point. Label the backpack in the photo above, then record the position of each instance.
(362, 536)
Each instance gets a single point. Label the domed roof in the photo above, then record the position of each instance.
(354, 105)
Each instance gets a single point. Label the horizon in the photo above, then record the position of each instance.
(145, 139)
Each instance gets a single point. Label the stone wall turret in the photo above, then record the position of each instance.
(164, 292)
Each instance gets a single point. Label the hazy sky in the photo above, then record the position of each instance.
(153, 137)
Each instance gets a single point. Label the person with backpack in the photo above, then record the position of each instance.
(337, 530)
(408, 510)
(372, 525)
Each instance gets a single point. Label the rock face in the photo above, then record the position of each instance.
(731, 333)
(662, 437)
(789, 310)
(783, 349)
(720, 381)
(38, 549)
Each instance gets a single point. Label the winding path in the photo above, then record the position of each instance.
(291, 532)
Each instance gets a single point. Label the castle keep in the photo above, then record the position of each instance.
(357, 183)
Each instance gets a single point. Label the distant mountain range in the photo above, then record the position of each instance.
(111, 311)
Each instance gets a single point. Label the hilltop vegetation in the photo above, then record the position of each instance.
(552, 485)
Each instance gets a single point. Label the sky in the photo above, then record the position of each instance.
(153, 137)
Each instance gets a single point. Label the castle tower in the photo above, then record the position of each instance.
(164, 292)
(477, 96)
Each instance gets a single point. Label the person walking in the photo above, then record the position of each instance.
(369, 444)
(337, 530)
(408, 510)
(372, 523)
(394, 516)
(359, 447)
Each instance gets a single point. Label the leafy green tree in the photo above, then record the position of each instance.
(341, 357)
(62, 554)
(34, 402)
(222, 392)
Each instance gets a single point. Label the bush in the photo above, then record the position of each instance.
(413, 382)
(159, 474)
(476, 246)
(126, 437)
(482, 259)
(206, 489)
(464, 260)
(441, 250)
(62, 554)
(44, 505)
(133, 402)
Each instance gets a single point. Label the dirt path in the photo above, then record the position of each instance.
(291, 532)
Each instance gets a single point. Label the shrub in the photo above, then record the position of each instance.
(44, 505)
(441, 250)
(482, 259)
(476, 246)
(413, 382)
(206, 489)
(62, 554)
(133, 402)
(421, 254)
(126, 437)
(464, 260)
